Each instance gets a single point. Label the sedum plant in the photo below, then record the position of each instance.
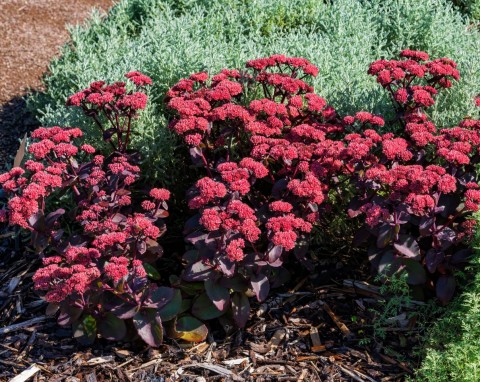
(277, 159)
(98, 256)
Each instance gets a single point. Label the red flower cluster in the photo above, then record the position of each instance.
(118, 105)
(304, 150)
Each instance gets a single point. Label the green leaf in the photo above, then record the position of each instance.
(85, 330)
(204, 308)
(173, 307)
(112, 328)
(151, 271)
(190, 329)
(149, 326)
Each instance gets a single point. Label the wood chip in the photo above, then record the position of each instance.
(100, 360)
(26, 374)
(216, 369)
(316, 343)
(346, 332)
(234, 362)
(22, 325)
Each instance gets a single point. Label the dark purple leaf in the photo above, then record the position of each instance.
(447, 237)
(196, 237)
(279, 187)
(389, 263)
(141, 247)
(275, 253)
(52, 217)
(204, 309)
(260, 286)
(154, 248)
(120, 308)
(415, 272)
(445, 288)
(433, 258)
(407, 246)
(237, 283)
(196, 156)
(68, 315)
(426, 224)
(219, 295)
(462, 256)
(197, 272)
(149, 326)
(118, 218)
(386, 234)
(227, 266)
(191, 224)
(159, 297)
(449, 203)
(240, 309)
(172, 308)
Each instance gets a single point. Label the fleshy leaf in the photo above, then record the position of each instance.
(445, 288)
(407, 246)
(85, 330)
(172, 308)
(149, 326)
(197, 272)
(151, 271)
(204, 308)
(160, 297)
(385, 235)
(190, 329)
(415, 272)
(219, 295)
(240, 309)
(112, 327)
(261, 286)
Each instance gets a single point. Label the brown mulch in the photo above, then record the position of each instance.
(313, 331)
(31, 33)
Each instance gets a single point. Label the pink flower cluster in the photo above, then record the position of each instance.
(116, 103)
(304, 152)
(399, 77)
(114, 239)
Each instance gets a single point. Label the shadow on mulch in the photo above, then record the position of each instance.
(15, 121)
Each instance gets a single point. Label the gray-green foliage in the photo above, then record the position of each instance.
(452, 353)
(169, 39)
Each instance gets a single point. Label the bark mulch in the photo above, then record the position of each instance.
(310, 332)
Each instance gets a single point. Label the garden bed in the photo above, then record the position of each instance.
(338, 323)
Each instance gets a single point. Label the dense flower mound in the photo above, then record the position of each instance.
(276, 161)
(98, 276)
(274, 153)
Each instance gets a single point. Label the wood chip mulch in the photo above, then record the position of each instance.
(311, 332)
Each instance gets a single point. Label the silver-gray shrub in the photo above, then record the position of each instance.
(170, 39)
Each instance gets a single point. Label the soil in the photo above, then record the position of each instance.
(31, 34)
